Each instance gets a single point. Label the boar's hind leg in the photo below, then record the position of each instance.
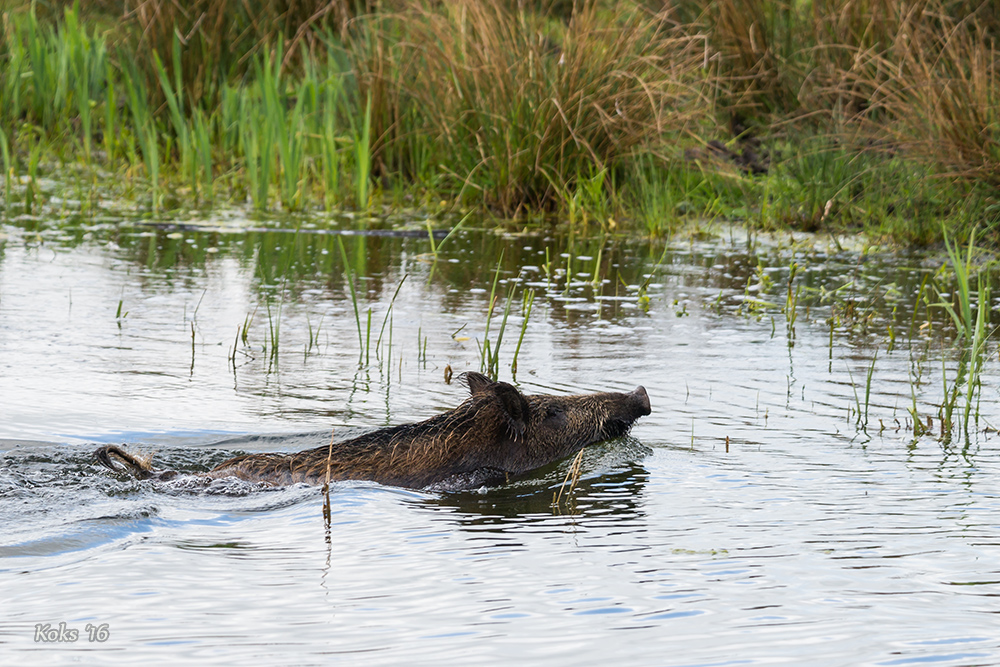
(119, 460)
(114, 457)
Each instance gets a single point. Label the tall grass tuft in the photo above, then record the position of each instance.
(519, 108)
(938, 85)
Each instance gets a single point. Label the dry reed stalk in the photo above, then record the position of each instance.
(327, 512)
(572, 477)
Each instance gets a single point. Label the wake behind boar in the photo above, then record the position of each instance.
(496, 434)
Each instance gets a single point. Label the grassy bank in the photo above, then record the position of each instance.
(825, 115)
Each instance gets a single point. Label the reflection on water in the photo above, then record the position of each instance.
(749, 519)
(612, 488)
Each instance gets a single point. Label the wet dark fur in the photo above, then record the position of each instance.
(496, 434)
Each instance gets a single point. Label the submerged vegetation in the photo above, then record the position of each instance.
(824, 115)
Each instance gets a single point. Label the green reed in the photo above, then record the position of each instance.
(257, 147)
(48, 90)
(527, 300)
(388, 312)
(8, 169)
(244, 331)
(791, 304)
(202, 147)
(121, 313)
(861, 412)
(86, 56)
(34, 158)
(111, 128)
(868, 384)
(362, 156)
(421, 346)
(285, 129)
(175, 102)
(487, 353)
(330, 145)
(144, 126)
(493, 357)
(274, 332)
(350, 278)
(313, 333)
(971, 317)
(368, 337)
(949, 396)
(436, 247)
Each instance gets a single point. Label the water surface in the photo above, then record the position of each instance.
(754, 517)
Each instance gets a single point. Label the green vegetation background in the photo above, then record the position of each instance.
(644, 117)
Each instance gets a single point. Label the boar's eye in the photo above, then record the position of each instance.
(553, 412)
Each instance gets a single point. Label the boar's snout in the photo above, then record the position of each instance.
(642, 398)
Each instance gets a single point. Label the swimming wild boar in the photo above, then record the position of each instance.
(496, 434)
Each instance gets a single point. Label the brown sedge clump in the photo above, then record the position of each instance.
(522, 106)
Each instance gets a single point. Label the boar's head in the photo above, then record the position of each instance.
(517, 432)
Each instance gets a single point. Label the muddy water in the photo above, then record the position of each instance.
(775, 506)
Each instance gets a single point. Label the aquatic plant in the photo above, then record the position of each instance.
(174, 93)
(527, 300)
(144, 128)
(388, 314)
(791, 304)
(971, 318)
(349, 276)
(489, 354)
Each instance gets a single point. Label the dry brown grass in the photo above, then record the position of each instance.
(782, 59)
(921, 75)
(936, 92)
(519, 106)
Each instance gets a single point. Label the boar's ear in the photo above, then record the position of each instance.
(514, 405)
(515, 408)
(478, 383)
